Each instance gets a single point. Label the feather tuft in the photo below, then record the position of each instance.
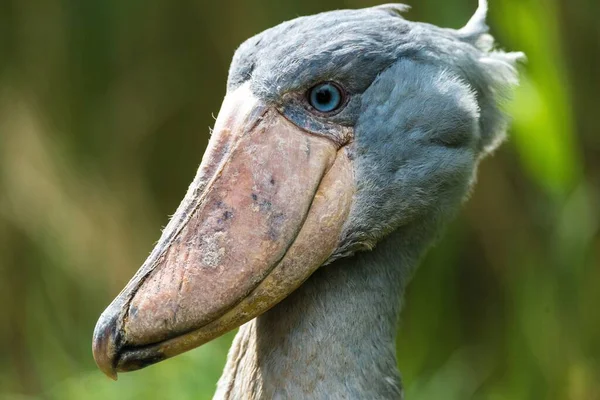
(395, 9)
(477, 24)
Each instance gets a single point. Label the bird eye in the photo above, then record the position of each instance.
(325, 97)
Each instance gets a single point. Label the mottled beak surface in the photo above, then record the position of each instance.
(265, 210)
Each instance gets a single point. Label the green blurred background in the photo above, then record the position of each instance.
(105, 108)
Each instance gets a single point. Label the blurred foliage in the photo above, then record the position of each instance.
(105, 108)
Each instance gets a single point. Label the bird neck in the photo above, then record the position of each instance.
(333, 335)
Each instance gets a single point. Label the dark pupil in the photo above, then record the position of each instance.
(323, 96)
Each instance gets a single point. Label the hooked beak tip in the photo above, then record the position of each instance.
(104, 347)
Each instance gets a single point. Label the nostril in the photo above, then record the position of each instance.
(105, 344)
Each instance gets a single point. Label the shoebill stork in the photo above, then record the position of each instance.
(345, 142)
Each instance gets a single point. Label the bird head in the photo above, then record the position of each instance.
(336, 130)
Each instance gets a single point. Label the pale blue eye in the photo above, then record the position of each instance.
(325, 97)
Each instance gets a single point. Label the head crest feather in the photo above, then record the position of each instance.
(393, 8)
(477, 24)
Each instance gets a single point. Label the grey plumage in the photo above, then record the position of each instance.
(426, 106)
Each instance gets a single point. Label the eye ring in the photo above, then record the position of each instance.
(326, 97)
